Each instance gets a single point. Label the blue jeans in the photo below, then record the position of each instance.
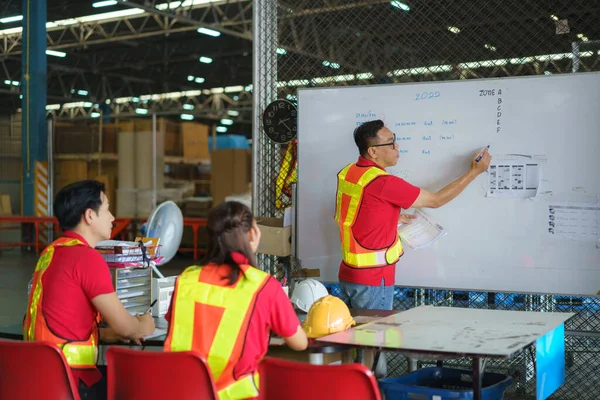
(368, 297)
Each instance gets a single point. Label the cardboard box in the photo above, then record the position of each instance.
(275, 238)
(110, 190)
(5, 207)
(195, 141)
(69, 171)
(230, 173)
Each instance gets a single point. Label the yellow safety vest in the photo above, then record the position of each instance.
(352, 181)
(79, 354)
(228, 338)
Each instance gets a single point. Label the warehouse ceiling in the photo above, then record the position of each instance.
(153, 47)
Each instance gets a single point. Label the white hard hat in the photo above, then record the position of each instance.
(307, 292)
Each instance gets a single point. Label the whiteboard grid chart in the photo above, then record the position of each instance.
(503, 239)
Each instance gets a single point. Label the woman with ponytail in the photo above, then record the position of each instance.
(226, 308)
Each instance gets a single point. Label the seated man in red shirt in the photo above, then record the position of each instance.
(72, 284)
(369, 201)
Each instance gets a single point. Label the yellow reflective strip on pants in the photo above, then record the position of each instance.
(240, 389)
(183, 315)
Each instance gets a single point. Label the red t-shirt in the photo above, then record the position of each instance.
(376, 225)
(272, 311)
(74, 277)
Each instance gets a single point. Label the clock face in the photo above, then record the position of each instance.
(280, 121)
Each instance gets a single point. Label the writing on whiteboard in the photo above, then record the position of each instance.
(449, 122)
(446, 137)
(408, 123)
(426, 95)
(428, 123)
(403, 151)
(426, 152)
(403, 138)
(368, 114)
(427, 137)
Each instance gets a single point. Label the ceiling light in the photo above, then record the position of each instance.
(398, 4)
(554, 17)
(454, 29)
(56, 53)
(11, 19)
(87, 104)
(233, 113)
(227, 121)
(95, 114)
(142, 111)
(209, 32)
(221, 129)
(230, 89)
(187, 117)
(190, 78)
(331, 64)
(199, 80)
(205, 60)
(281, 51)
(489, 47)
(106, 3)
(82, 92)
(188, 106)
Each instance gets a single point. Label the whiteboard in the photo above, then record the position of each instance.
(493, 244)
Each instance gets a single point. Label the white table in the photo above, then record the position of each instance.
(449, 332)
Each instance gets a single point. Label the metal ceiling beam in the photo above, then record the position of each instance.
(146, 24)
(183, 17)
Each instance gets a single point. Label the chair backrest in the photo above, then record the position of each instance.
(281, 379)
(147, 375)
(34, 370)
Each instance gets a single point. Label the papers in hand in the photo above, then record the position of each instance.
(422, 232)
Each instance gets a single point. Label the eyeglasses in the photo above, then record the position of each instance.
(386, 144)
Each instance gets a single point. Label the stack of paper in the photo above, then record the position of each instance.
(422, 232)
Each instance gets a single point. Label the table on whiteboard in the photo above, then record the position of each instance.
(529, 225)
(449, 332)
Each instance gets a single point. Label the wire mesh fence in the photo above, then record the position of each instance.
(311, 43)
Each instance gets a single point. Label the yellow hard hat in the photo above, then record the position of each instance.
(327, 315)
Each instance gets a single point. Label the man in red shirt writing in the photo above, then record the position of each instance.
(368, 205)
(72, 287)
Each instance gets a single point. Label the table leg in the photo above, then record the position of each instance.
(315, 358)
(412, 364)
(477, 378)
(348, 356)
(195, 230)
(37, 237)
(376, 360)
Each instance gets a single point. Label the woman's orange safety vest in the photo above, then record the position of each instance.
(352, 181)
(225, 336)
(79, 354)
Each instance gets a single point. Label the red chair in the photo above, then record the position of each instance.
(148, 375)
(281, 379)
(34, 370)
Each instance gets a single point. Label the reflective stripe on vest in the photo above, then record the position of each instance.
(79, 354)
(236, 302)
(351, 183)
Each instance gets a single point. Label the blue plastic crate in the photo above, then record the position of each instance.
(443, 384)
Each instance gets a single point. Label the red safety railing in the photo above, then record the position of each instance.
(121, 227)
